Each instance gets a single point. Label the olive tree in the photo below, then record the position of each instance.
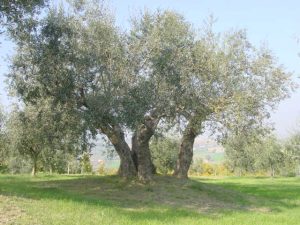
(3, 141)
(292, 152)
(26, 131)
(79, 59)
(158, 71)
(271, 156)
(40, 132)
(240, 151)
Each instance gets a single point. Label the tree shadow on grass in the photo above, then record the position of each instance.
(159, 199)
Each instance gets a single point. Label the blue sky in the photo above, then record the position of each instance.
(274, 22)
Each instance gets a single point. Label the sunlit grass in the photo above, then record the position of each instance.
(167, 200)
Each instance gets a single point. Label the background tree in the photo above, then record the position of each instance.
(86, 166)
(258, 154)
(240, 151)
(270, 156)
(26, 134)
(164, 154)
(53, 160)
(10, 159)
(37, 130)
(4, 154)
(292, 152)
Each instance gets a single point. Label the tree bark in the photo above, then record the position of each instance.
(34, 167)
(68, 170)
(134, 146)
(140, 148)
(117, 138)
(134, 153)
(272, 171)
(185, 156)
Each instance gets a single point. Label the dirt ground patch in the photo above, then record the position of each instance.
(167, 191)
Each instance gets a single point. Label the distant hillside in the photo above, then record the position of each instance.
(208, 150)
(208, 156)
(204, 148)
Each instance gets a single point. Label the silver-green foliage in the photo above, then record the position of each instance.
(261, 154)
(107, 80)
(164, 152)
(18, 15)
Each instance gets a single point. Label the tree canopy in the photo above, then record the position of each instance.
(162, 71)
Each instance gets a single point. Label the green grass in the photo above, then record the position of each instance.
(167, 200)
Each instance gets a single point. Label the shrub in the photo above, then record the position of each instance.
(196, 167)
(164, 153)
(86, 166)
(101, 167)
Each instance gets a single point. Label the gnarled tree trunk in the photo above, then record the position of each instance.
(117, 138)
(135, 146)
(185, 156)
(140, 148)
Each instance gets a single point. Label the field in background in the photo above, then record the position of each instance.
(167, 200)
(207, 154)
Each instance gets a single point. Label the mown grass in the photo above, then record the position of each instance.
(167, 200)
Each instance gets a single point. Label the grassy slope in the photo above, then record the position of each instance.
(109, 200)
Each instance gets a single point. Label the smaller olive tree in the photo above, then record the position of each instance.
(240, 151)
(25, 132)
(86, 166)
(270, 156)
(256, 154)
(3, 142)
(292, 152)
(42, 133)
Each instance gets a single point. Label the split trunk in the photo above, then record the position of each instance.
(117, 138)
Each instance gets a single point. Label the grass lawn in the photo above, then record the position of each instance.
(167, 200)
